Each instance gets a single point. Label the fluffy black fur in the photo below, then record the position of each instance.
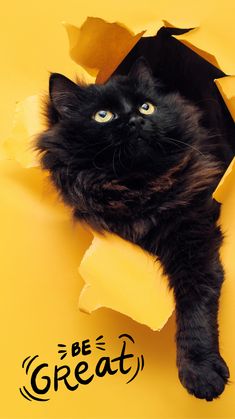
(149, 179)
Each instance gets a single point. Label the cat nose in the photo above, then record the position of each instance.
(136, 122)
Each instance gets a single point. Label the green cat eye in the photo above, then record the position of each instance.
(103, 116)
(147, 108)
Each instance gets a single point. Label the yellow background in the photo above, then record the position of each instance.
(41, 248)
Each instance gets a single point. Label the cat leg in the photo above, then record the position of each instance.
(196, 276)
(188, 249)
(201, 368)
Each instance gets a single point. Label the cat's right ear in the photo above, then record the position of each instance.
(64, 94)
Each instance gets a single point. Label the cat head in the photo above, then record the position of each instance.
(124, 126)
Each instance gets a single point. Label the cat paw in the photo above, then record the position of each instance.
(205, 379)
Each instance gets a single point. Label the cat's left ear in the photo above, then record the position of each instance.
(141, 71)
(64, 94)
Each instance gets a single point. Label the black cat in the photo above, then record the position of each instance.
(136, 161)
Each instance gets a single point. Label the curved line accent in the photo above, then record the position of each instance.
(25, 360)
(99, 337)
(142, 358)
(30, 362)
(24, 395)
(138, 367)
(33, 397)
(128, 336)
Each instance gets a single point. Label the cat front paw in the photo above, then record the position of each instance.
(205, 379)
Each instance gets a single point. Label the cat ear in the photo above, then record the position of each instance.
(141, 71)
(64, 94)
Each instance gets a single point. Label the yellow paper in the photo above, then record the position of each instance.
(123, 277)
(226, 86)
(100, 62)
(28, 123)
(41, 249)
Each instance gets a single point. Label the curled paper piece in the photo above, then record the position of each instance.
(123, 277)
(101, 61)
(216, 49)
(27, 123)
(224, 190)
